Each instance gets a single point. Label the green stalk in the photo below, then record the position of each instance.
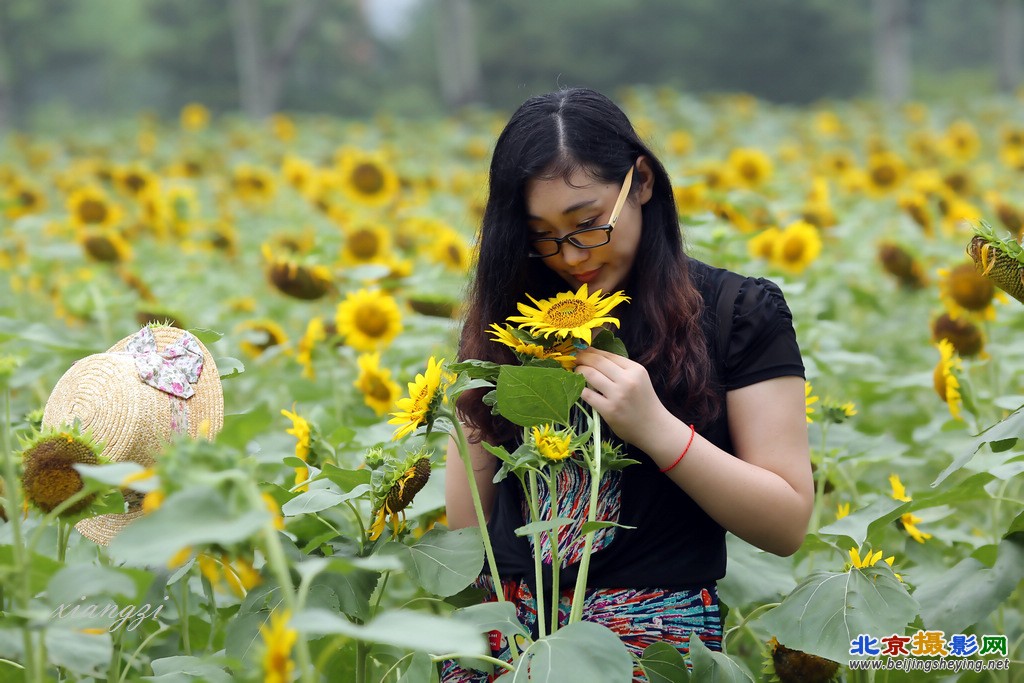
(186, 644)
(279, 565)
(538, 564)
(578, 595)
(492, 564)
(23, 590)
(556, 562)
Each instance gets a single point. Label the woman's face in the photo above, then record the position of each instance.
(556, 207)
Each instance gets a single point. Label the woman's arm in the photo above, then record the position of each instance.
(456, 486)
(765, 494)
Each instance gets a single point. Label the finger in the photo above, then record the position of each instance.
(591, 352)
(596, 379)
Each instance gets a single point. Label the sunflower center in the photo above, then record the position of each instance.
(883, 175)
(101, 248)
(377, 389)
(92, 211)
(371, 321)
(750, 171)
(793, 249)
(56, 486)
(454, 255)
(134, 182)
(27, 199)
(569, 313)
(970, 290)
(364, 244)
(367, 178)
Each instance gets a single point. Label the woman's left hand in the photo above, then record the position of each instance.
(621, 391)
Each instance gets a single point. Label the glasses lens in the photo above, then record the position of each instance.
(592, 237)
(544, 247)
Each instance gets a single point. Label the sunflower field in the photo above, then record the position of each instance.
(323, 262)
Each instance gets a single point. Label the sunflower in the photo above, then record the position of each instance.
(450, 250)
(562, 351)
(397, 493)
(809, 400)
(869, 560)
(902, 265)
(752, 168)
(947, 386)
(842, 510)
(426, 392)
(283, 127)
(182, 207)
(300, 430)
(923, 146)
(48, 474)
(303, 282)
(315, 333)
(278, 641)
(194, 117)
(298, 172)
(966, 337)
(1011, 217)
(795, 666)
(23, 199)
(569, 315)
(836, 412)
(961, 141)
(717, 175)
(91, 208)
(796, 247)
(836, 163)
(367, 178)
(908, 522)
(365, 243)
(550, 443)
(762, 245)
(966, 291)
(260, 336)
(680, 142)
(886, 171)
(105, 246)
(135, 180)
(368, 319)
(915, 205)
(253, 183)
(690, 198)
(374, 382)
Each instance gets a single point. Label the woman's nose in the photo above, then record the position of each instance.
(573, 255)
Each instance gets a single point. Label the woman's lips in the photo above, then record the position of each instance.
(587, 276)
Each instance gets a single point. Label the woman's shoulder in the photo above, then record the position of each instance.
(748, 294)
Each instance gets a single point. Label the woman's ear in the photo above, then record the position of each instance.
(643, 178)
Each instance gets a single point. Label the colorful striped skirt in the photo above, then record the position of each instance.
(640, 617)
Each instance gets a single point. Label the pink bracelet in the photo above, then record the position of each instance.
(693, 430)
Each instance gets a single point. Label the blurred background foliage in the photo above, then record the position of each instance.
(64, 62)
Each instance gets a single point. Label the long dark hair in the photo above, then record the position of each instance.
(552, 136)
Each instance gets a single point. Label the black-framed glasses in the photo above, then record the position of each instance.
(584, 238)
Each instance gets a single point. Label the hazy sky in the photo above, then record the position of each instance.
(388, 17)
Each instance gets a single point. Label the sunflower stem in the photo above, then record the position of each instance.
(578, 594)
(556, 562)
(23, 592)
(538, 564)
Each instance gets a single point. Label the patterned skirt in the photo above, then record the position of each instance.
(640, 617)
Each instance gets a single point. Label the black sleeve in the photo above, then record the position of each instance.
(762, 342)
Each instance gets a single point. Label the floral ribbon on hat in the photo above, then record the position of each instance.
(173, 370)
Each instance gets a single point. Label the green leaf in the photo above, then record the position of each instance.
(715, 667)
(828, 610)
(597, 526)
(82, 653)
(445, 562)
(114, 473)
(584, 651)
(542, 526)
(421, 669)
(664, 664)
(970, 591)
(402, 628)
(607, 341)
(856, 524)
(75, 582)
(529, 396)
(205, 335)
(229, 367)
(41, 568)
(316, 500)
(493, 616)
(346, 479)
(476, 369)
(1010, 428)
(188, 517)
(240, 428)
(754, 576)
(347, 591)
(182, 669)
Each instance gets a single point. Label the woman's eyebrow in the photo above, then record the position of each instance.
(572, 209)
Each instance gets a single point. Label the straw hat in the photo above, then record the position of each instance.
(145, 388)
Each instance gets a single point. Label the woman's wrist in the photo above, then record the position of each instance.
(666, 439)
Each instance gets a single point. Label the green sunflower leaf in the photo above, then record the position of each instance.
(529, 396)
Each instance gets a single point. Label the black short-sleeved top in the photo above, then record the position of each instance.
(675, 544)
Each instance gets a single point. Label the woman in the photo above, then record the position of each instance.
(714, 375)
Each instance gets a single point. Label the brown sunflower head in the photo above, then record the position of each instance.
(902, 265)
(299, 281)
(48, 474)
(408, 485)
(794, 666)
(969, 289)
(964, 335)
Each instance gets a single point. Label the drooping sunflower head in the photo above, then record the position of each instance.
(305, 282)
(794, 666)
(915, 204)
(550, 443)
(526, 346)
(963, 289)
(105, 246)
(395, 482)
(901, 264)
(48, 474)
(368, 319)
(426, 395)
(966, 337)
(1001, 260)
(569, 314)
